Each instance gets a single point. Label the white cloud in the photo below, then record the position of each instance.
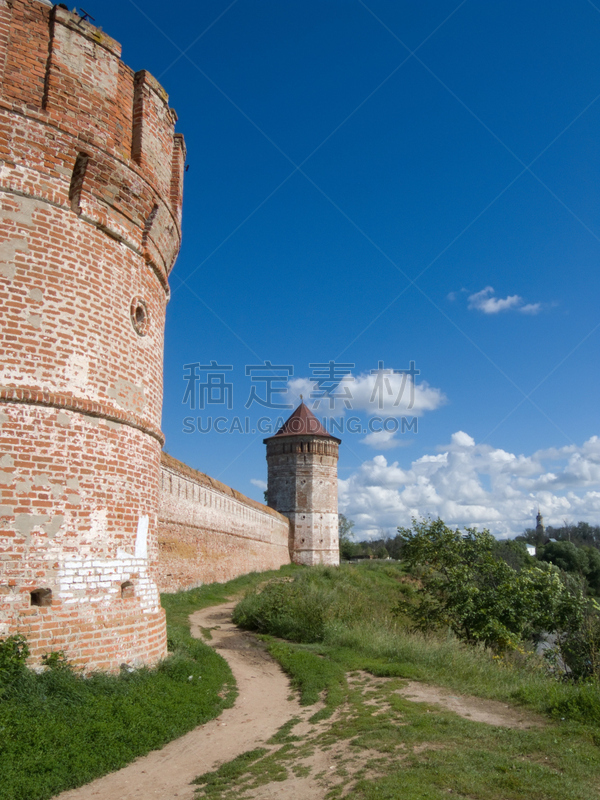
(260, 484)
(467, 484)
(382, 440)
(486, 301)
(531, 308)
(382, 393)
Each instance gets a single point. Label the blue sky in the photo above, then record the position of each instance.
(391, 182)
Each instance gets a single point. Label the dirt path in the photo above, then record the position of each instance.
(261, 708)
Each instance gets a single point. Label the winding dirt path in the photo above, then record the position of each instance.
(261, 708)
(263, 705)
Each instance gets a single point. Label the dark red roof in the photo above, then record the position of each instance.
(303, 422)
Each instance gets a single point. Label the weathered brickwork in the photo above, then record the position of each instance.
(302, 484)
(91, 176)
(208, 532)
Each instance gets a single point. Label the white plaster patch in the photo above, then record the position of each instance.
(55, 524)
(25, 523)
(24, 216)
(35, 320)
(77, 371)
(36, 295)
(8, 251)
(6, 478)
(128, 395)
(7, 461)
(63, 419)
(141, 537)
(99, 522)
(3, 417)
(14, 375)
(42, 480)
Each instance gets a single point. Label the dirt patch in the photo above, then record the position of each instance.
(491, 712)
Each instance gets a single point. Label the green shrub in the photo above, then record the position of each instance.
(14, 651)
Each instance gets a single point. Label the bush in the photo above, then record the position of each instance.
(14, 651)
(465, 586)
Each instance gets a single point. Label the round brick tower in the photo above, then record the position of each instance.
(91, 176)
(302, 484)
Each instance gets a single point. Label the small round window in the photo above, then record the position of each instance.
(139, 316)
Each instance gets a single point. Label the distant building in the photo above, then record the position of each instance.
(539, 528)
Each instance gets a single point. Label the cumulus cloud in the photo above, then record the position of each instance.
(467, 484)
(381, 392)
(261, 484)
(487, 302)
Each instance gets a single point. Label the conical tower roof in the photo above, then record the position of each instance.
(302, 423)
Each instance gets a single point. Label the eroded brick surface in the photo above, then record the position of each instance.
(90, 210)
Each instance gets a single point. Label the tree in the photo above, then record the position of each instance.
(514, 553)
(465, 586)
(565, 556)
(348, 547)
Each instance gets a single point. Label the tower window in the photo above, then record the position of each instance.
(127, 589)
(139, 316)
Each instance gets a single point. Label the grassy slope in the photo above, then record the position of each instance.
(338, 622)
(346, 614)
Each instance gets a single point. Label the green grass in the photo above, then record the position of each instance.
(59, 730)
(345, 617)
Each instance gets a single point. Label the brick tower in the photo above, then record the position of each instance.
(302, 484)
(91, 176)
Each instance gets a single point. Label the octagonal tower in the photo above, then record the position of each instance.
(302, 484)
(90, 188)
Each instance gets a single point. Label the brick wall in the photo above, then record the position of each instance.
(90, 211)
(208, 532)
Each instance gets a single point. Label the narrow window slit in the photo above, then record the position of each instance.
(77, 179)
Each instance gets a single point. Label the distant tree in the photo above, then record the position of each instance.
(514, 553)
(348, 547)
(566, 556)
(593, 573)
(581, 535)
(394, 546)
(583, 561)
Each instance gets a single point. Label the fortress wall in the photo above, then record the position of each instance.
(209, 532)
